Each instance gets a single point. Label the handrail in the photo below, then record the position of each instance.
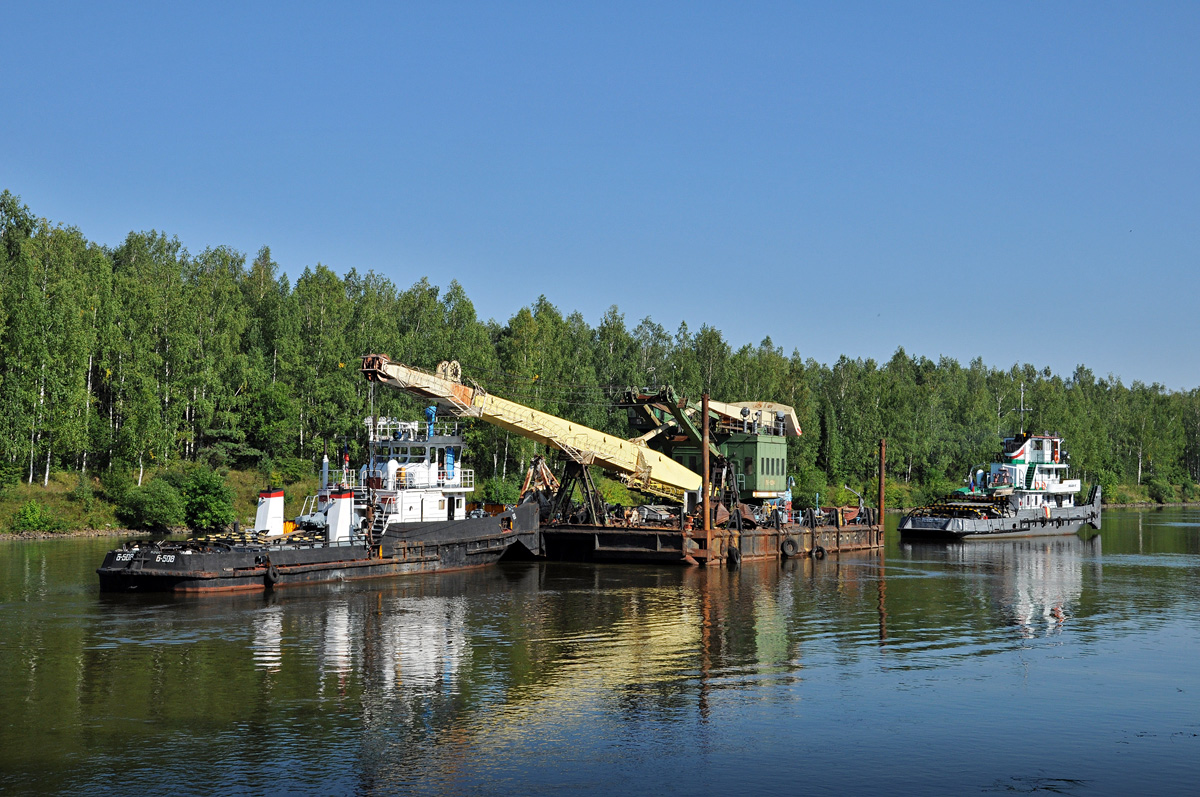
(407, 478)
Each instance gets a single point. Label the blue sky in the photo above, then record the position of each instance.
(1014, 181)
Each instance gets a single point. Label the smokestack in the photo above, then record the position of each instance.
(340, 516)
(269, 517)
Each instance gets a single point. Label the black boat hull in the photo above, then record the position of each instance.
(220, 566)
(1050, 521)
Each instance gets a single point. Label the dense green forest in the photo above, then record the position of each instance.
(143, 356)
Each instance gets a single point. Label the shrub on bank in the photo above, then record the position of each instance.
(1189, 490)
(207, 500)
(157, 506)
(1161, 491)
(1109, 486)
(294, 469)
(83, 493)
(34, 516)
(115, 482)
(196, 496)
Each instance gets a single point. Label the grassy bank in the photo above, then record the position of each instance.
(69, 505)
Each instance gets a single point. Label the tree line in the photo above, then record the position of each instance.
(143, 355)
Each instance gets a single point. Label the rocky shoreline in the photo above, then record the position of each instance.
(74, 534)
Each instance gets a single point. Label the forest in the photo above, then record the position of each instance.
(143, 357)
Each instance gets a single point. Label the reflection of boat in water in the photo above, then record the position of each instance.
(422, 643)
(1038, 582)
(402, 512)
(1025, 493)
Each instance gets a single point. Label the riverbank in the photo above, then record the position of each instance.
(122, 532)
(73, 534)
(68, 506)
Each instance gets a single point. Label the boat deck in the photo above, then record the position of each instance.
(584, 543)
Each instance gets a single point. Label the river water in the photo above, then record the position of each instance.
(1067, 665)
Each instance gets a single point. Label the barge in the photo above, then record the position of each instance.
(403, 511)
(720, 468)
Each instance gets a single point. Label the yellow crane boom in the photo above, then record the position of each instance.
(640, 467)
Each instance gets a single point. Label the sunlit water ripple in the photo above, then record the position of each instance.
(1060, 664)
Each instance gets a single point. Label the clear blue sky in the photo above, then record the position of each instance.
(1014, 181)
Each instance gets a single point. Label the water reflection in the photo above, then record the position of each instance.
(336, 646)
(268, 639)
(421, 643)
(1036, 583)
(562, 677)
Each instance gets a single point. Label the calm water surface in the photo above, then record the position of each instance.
(1063, 665)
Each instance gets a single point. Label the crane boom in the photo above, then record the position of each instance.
(638, 466)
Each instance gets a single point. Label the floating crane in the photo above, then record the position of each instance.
(638, 466)
(753, 432)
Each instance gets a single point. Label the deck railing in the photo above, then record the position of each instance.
(406, 479)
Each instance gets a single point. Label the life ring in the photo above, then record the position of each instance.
(272, 574)
(789, 547)
(733, 557)
(818, 552)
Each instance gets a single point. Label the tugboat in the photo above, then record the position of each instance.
(403, 511)
(1025, 493)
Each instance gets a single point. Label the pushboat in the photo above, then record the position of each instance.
(403, 511)
(1025, 493)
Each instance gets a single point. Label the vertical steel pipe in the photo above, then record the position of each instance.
(882, 477)
(705, 477)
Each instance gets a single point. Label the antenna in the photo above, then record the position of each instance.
(1023, 408)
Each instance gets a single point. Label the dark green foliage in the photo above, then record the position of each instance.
(1161, 491)
(810, 484)
(1109, 484)
(935, 489)
(285, 470)
(227, 451)
(83, 494)
(1189, 490)
(33, 516)
(500, 491)
(115, 482)
(144, 357)
(293, 469)
(156, 506)
(9, 476)
(207, 500)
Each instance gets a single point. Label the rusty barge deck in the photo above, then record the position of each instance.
(658, 545)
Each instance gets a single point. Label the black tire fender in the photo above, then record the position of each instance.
(272, 574)
(789, 547)
(818, 552)
(733, 557)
